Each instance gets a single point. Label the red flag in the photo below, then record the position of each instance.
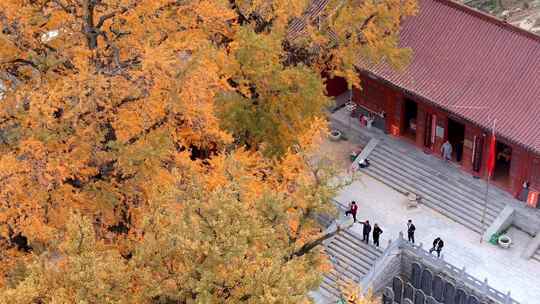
(491, 158)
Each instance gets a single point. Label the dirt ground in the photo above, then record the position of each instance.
(339, 152)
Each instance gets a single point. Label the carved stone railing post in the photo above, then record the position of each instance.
(367, 281)
(508, 299)
(485, 288)
(462, 273)
(439, 263)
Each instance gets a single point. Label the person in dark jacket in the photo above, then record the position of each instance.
(366, 231)
(410, 231)
(377, 231)
(353, 208)
(437, 246)
(363, 163)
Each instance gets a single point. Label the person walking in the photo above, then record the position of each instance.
(437, 246)
(366, 231)
(410, 231)
(446, 150)
(377, 231)
(353, 208)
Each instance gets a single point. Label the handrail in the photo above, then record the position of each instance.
(376, 268)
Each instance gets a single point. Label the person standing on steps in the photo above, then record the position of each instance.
(377, 231)
(437, 246)
(353, 208)
(366, 231)
(410, 231)
(446, 150)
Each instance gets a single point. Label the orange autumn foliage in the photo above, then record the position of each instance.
(150, 137)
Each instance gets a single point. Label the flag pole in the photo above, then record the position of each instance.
(487, 187)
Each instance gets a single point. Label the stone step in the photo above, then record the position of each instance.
(405, 151)
(462, 190)
(469, 195)
(360, 258)
(355, 239)
(329, 288)
(352, 240)
(358, 266)
(351, 260)
(414, 171)
(345, 273)
(428, 193)
(433, 204)
(384, 169)
(324, 219)
(433, 182)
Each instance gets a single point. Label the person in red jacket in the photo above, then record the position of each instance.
(353, 208)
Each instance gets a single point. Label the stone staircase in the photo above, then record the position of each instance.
(405, 173)
(351, 259)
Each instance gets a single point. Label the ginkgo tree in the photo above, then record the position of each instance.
(223, 236)
(168, 127)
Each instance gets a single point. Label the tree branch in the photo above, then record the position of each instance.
(367, 21)
(110, 15)
(205, 220)
(66, 8)
(148, 130)
(304, 220)
(311, 245)
(21, 61)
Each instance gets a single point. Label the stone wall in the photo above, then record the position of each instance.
(415, 269)
(527, 220)
(428, 289)
(418, 268)
(388, 269)
(501, 223)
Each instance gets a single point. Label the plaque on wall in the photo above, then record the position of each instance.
(468, 144)
(439, 132)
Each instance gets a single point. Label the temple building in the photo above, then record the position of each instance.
(470, 74)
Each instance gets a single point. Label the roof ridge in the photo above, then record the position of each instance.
(489, 18)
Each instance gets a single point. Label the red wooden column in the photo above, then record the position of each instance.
(533, 175)
(394, 104)
(420, 125)
(471, 132)
(518, 161)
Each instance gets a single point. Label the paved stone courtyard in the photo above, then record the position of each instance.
(504, 269)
